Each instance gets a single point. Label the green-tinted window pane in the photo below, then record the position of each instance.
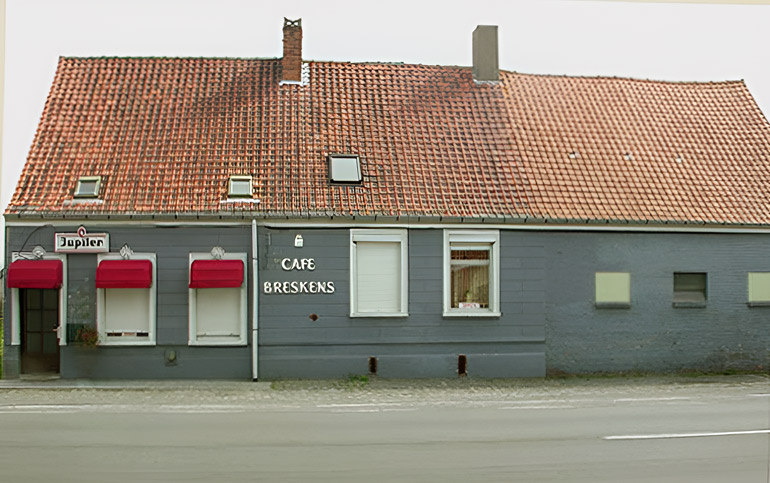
(32, 298)
(50, 343)
(689, 287)
(50, 299)
(34, 321)
(613, 288)
(759, 286)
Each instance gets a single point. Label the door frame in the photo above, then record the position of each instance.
(16, 302)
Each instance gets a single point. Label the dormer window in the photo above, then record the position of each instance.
(239, 187)
(88, 187)
(344, 168)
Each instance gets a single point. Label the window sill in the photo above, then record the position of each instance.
(379, 315)
(472, 314)
(612, 305)
(689, 305)
(217, 342)
(758, 304)
(115, 343)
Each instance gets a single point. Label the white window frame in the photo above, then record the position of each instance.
(89, 194)
(193, 338)
(236, 179)
(16, 301)
(491, 237)
(150, 340)
(357, 177)
(380, 236)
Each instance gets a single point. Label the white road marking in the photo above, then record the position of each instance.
(685, 435)
(652, 399)
(538, 407)
(73, 408)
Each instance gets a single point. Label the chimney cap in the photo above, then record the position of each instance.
(292, 23)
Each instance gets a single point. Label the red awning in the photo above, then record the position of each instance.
(124, 274)
(216, 273)
(35, 274)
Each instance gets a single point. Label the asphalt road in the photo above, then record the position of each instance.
(666, 430)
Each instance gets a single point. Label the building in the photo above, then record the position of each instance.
(281, 218)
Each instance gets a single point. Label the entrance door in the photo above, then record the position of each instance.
(39, 319)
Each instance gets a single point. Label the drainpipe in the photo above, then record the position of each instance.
(255, 303)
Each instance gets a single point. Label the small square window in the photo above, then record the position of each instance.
(88, 187)
(690, 290)
(613, 290)
(759, 288)
(344, 168)
(239, 187)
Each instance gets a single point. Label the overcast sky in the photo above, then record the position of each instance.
(574, 37)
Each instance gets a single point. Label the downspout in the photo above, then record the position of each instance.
(255, 303)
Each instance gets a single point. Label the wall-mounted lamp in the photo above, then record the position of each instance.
(38, 252)
(217, 253)
(126, 251)
(298, 241)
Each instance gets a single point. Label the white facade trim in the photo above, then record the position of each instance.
(325, 223)
(491, 237)
(218, 340)
(150, 340)
(378, 236)
(15, 300)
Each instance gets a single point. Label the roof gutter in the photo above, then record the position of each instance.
(413, 222)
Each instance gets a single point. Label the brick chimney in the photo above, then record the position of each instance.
(485, 54)
(292, 50)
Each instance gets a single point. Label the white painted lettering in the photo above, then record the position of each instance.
(267, 287)
(299, 264)
(294, 287)
(277, 287)
(330, 287)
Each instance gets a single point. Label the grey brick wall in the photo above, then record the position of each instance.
(652, 335)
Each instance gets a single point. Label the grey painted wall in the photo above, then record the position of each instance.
(425, 344)
(547, 304)
(172, 246)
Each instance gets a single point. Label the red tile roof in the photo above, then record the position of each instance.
(165, 135)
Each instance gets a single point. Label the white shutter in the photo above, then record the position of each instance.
(378, 272)
(218, 311)
(127, 310)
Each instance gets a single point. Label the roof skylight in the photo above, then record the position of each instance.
(239, 187)
(344, 168)
(88, 187)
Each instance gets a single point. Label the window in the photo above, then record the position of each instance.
(239, 187)
(613, 290)
(88, 187)
(344, 168)
(690, 290)
(378, 273)
(759, 288)
(471, 273)
(125, 299)
(217, 299)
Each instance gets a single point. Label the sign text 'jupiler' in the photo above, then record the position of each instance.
(295, 286)
(81, 242)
